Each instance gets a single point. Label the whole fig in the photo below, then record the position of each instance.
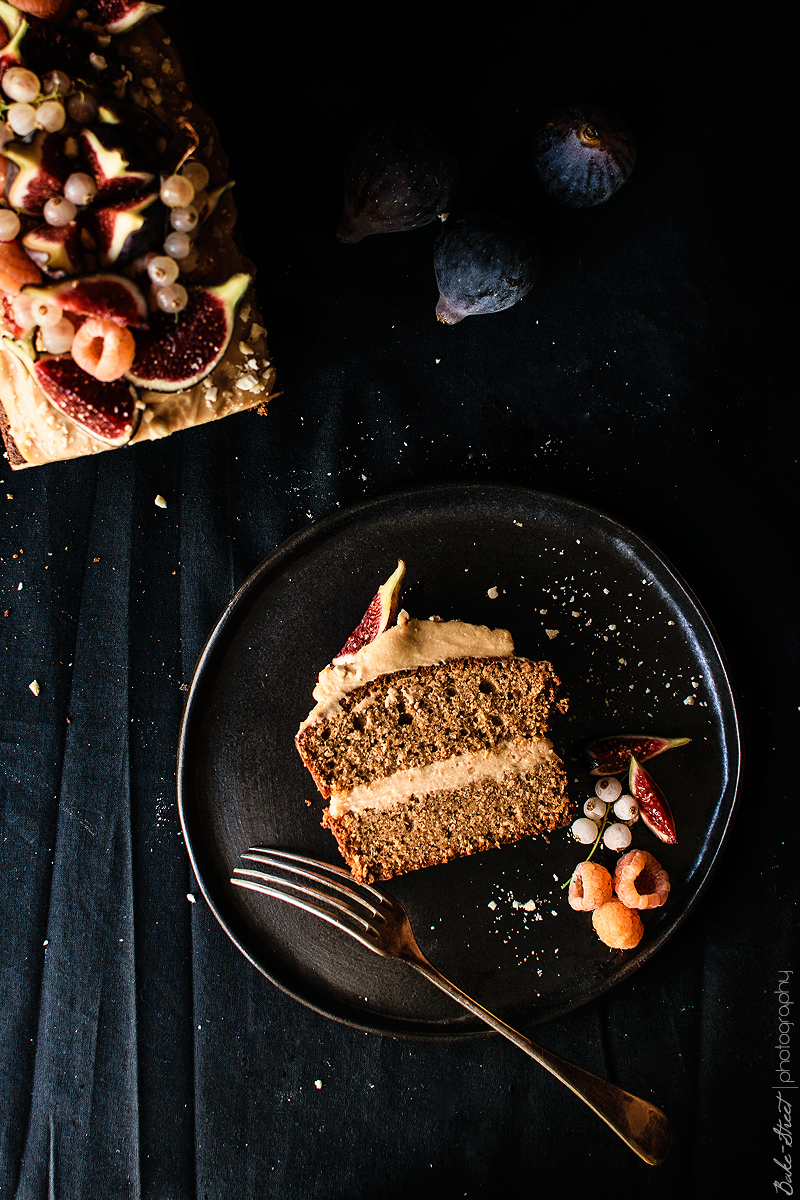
(582, 155)
(483, 264)
(398, 176)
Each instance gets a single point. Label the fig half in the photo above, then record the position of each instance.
(612, 755)
(380, 613)
(398, 176)
(55, 248)
(107, 411)
(118, 16)
(180, 349)
(653, 806)
(105, 295)
(41, 169)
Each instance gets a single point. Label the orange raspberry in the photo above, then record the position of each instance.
(104, 349)
(640, 881)
(617, 926)
(590, 886)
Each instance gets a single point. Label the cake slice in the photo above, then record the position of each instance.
(431, 743)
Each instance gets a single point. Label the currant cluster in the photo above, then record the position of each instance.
(55, 104)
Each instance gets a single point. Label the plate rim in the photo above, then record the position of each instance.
(319, 528)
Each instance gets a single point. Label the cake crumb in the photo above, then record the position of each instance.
(492, 593)
(34, 687)
(551, 633)
(160, 502)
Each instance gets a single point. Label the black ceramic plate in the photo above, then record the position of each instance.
(635, 653)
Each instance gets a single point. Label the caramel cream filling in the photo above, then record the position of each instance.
(407, 645)
(512, 758)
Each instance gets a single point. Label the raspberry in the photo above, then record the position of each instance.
(617, 926)
(590, 886)
(640, 881)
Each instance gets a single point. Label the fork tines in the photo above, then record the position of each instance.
(337, 898)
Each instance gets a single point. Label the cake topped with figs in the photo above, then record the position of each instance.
(127, 310)
(429, 741)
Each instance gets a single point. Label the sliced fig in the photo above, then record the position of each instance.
(380, 613)
(110, 297)
(107, 411)
(123, 232)
(10, 20)
(118, 16)
(109, 161)
(16, 27)
(55, 248)
(612, 755)
(180, 349)
(398, 176)
(653, 807)
(40, 174)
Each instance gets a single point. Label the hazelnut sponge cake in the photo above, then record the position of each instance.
(430, 742)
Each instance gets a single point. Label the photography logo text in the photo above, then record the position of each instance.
(786, 1083)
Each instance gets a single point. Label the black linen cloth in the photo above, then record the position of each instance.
(645, 374)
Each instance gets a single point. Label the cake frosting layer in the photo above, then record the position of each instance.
(515, 757)
(407, 645)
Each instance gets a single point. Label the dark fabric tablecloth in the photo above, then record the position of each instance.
(647, 374)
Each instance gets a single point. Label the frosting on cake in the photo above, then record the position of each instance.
(407, 645)
(512, 758)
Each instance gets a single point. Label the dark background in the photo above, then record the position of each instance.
(649, 374)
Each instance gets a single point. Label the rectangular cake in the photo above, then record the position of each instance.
(431, 743)
(127, 309)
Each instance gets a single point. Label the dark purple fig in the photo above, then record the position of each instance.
(107, 296)
(398, 176)
(55, 248)
(41, 169)
(180, 349)
(483, 264)
(612, 755)
(653, 807)
(583, 155)
(105, 410)
(123, 232)
(118, 16)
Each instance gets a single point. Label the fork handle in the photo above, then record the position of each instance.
(639, 1123)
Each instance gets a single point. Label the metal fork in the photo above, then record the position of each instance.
(379, 922)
